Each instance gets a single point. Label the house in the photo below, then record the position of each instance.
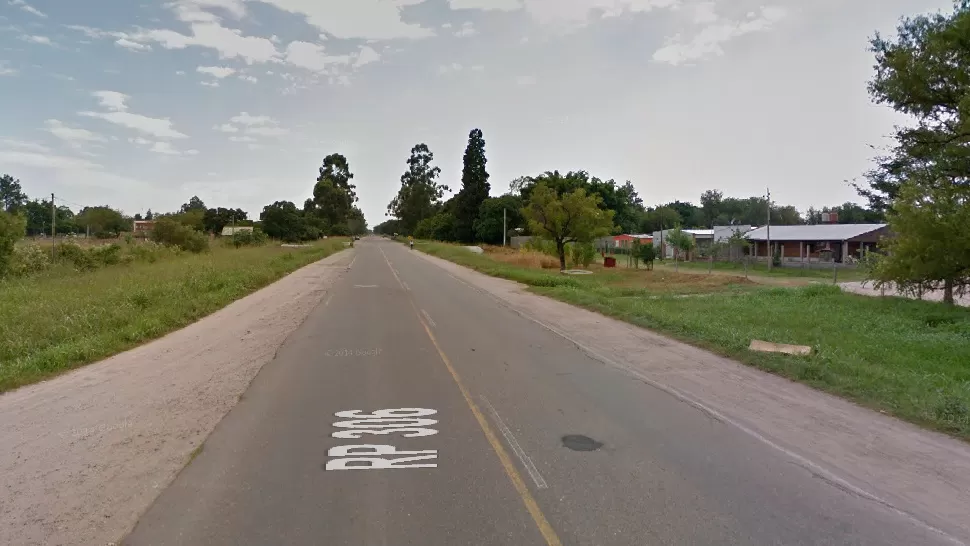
(625, 241)
(814, 243)
(228, 231)
(703, 239)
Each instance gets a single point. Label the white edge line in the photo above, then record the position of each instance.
(809, 465)
(430, 320)
(392, 267)
(352, 262)
(406, 287)
(330, 297)
(514, 444)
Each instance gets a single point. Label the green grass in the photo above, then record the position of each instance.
(908, 358)
(817, 271)
(61, 319)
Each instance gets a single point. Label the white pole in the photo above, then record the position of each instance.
(504, 229)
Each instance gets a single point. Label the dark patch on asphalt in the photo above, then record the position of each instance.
(578, 442)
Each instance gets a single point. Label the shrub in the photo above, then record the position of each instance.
(12, 229)
(169, 232)
(73, 254)
(255, 237)
(28, 259)
(582, 253)
(106, 254)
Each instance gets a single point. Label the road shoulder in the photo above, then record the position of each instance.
(923, 474)
(88, 451)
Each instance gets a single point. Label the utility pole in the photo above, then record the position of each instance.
(504, 229)
(771, 256)
(53, 230)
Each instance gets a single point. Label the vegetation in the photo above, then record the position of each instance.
(58, 320)
(913, 365)
(924, 182)
(474, 188)
(420, 194)
(569, 218)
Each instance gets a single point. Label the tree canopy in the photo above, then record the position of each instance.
(574, 216)
(474, 187)
(420, 193)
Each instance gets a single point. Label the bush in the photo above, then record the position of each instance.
(12, 229)
(28, 259)
(106, 254)
(169, 232)
(582, 253)
(255, 237)
(73, 254)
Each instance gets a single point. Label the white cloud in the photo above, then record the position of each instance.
(567, 14)
(312, 57)
(446, 68)
(38, 40)
(45, 160)
(209, 84)
(119, 115)
(266, 131)
(164, 148)
(28, 8)
(478, 68)
(525, 80)
(709, 40)
(467, 29)
(498, 5)
(179, 72)
(217, 71)
(133, 46)
(229, 43)
(245, 118)
(376, 19)
(112, 100)
(704, 13)
(367, 55)
(226, 128)
(191, 10)
(69, 134)
(192, 152)
(5, 70)
(25, 145)
(242, 139)
(140, 141)
(248, 78)
(446, 25)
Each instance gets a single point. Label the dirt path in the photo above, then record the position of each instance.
(922, 474)
(84, 454)
(867, 289)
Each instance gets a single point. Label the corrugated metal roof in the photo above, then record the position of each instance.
(695, 232)
(818, 232)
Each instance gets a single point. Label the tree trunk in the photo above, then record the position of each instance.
(561, 248)
(948, 291)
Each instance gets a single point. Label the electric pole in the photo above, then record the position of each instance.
(53, 230)
(504, 229)
(771, 256)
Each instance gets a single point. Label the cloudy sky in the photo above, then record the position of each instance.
(141, 104)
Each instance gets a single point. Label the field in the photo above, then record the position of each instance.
(61, 318)
(907, 358)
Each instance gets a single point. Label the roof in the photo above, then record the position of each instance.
(702, 232)
(817, 232)
(634, 236)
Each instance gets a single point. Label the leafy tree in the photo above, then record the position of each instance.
(440, 227)
(681, 241)
(925, 73)
(169, 231)
(11, 230)
(213, 220)
(12, 197)
(574, 217)
(282, 220)
(194, 204)
(582, 254)
(388, 227)
(488, 227)
(623, 200)
(420, 192)
(656, 219)
(333, 194)
(193, 219)
(646, 253)
(711, 207)
(474, 187)
(356, 223)
(149, 215)
(102, 221)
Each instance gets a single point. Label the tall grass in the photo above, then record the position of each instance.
(908, 358)
(61, 318)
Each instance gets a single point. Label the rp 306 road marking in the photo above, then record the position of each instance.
(409, 422)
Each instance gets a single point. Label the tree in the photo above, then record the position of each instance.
(440, 227)
(711, 206)
(925, 178)
(420, 192)
(574, 217)
(102, 221)
(388, 227)
(11, 230)
(622, 200)
(656, 219)
(12, 197)
(149, 215)
(488, 227)
(646, 253)
(681, 241)
(213, 220)
(282, 220)
(474, 187)
(194, 204)
(356, 223)
(333, 194)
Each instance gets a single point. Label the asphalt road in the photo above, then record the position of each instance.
(504, 434)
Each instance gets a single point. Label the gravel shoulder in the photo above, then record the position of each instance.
(921, 474)
(86, 453)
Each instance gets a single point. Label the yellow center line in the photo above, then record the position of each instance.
(545, 528)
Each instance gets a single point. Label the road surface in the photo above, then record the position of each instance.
(410, 408)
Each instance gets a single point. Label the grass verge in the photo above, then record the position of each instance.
(62, 319)
(905, 357)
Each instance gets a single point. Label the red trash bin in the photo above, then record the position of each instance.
(609, 261)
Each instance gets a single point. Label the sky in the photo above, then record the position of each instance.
(142, 104)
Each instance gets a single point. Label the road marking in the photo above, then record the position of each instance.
(545, 528)
(406, 287)
(430, 320)
(326, 303)
(352, 262)
(408, 421)
(516, 448)
(365, 286)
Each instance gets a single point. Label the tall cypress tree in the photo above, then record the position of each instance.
(474, 187)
